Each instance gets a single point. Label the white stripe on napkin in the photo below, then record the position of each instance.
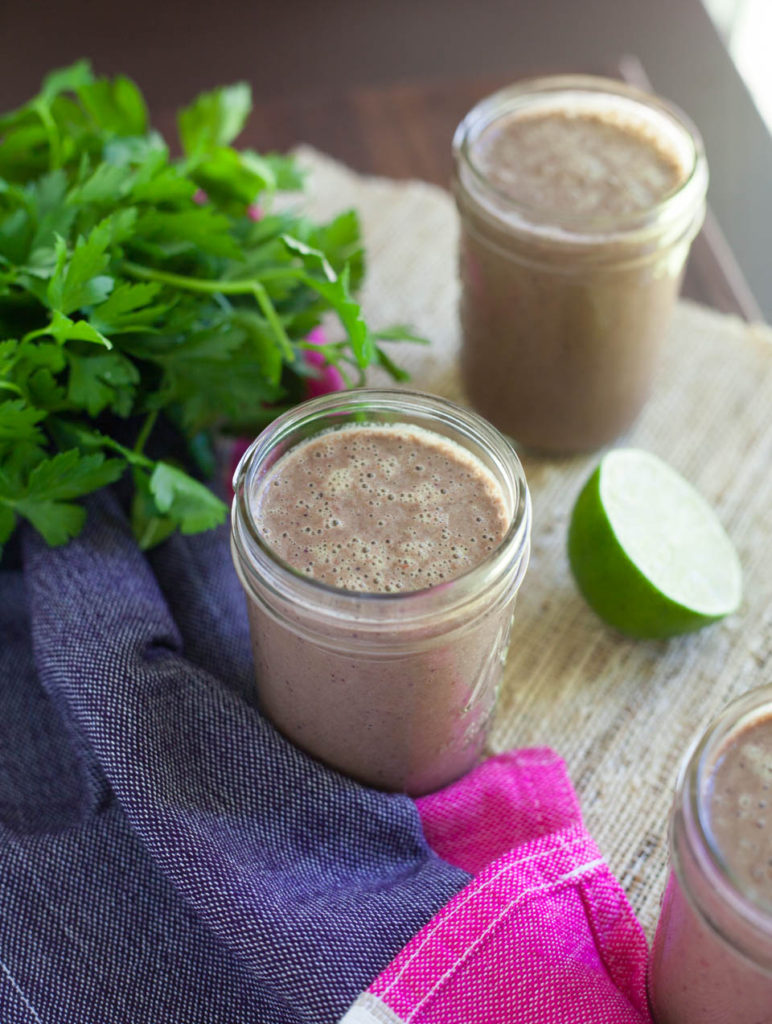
(368, 1009)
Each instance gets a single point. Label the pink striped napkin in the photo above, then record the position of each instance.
(543, 934)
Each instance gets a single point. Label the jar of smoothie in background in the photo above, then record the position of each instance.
(711, 962)
(579, 198)
(395, 689)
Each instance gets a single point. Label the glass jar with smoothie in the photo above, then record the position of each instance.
(711, 961)
(381, 537)
(579, 198)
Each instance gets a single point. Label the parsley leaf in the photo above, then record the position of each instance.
(187, 501)
(215, 119)
(78, 280)
(45, 498)
(103, 380)
(64, 329)
(65, 80)
(137, 288)
(19, 422)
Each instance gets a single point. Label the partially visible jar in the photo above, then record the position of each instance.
(394, 689)
(579, 199)
(711, 962)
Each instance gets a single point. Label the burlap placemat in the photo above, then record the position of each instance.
(621, 712)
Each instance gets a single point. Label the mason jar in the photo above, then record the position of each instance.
(711, 959)
(570, 259)
(395, 689)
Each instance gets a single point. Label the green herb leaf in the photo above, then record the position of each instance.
(399, 332)
(15, 236)
(68, 79)
(45, 501)
(70, 474)
(56, 521)
(80, 280)
(64, 329)
(128, 307)
(19, 422)
(149, 525)
(106, 183)
(335, 289)
(101, 381)
(198, 228)
(215, 119)
(116, 106)
(385, 361)
(144, 290)
(188, 502)
(44, 390)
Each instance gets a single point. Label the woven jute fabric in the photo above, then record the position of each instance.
(621, 712)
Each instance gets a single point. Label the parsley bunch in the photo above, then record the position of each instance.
(134, 286)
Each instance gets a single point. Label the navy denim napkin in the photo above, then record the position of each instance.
(165, 855)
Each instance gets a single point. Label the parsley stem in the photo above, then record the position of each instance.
(133, 458)
(270, 314)
(42, 110)
(144, 434)
(190, 284)
(202, 284)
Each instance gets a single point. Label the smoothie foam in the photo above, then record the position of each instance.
(381, 509)
(596, 160)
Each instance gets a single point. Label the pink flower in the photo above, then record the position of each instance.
(254, 212)
(200, 197)
(330, 378)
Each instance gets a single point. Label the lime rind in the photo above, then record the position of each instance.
(624, 559)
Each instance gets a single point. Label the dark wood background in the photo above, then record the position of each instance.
(382, 83)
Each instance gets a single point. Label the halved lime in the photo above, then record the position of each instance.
(648, 552)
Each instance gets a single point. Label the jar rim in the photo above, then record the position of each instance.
(368, 607)
(692, 786)
(681, 202)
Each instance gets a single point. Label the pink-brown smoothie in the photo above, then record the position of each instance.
(696, 976)
(740, 805)
(383, 510)
(579, 163)
(564, 303)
